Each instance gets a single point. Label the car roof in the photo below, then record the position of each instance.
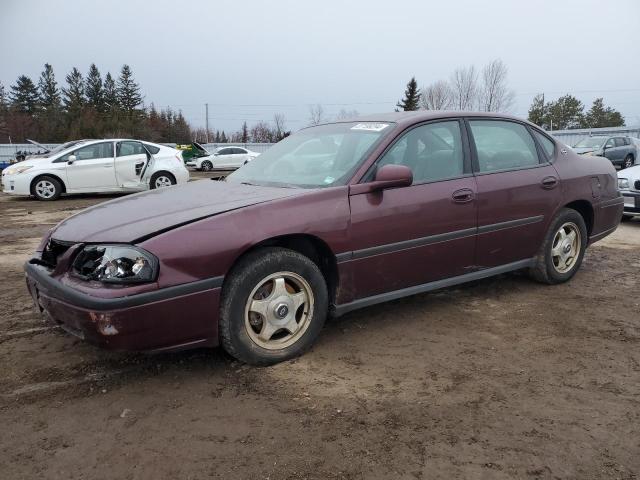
(407, 118)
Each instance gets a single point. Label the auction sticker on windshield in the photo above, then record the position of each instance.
(370, 127)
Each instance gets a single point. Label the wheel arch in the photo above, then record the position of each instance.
(52, 175)
(166, 172)
(584, 208)
(312, 247)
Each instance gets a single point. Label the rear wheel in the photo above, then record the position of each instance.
(46, 188)
(563, 248)
(628, 161)
(274, 304)
(206, 166)
(161, 180)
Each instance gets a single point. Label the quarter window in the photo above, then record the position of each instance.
(432, 152)
(503, 145)
(547, 145)
(130, 148)
(152, 148)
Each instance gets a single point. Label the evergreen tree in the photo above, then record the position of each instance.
(110, 94)
(411, 100)
(128, 91)
(223, 137)
(217, 137)
(182, 132)
(537, 111)
(93, 89)
(245, 133)
(49, 93)
(566, 112)
(74, 98)
(600, 116)
(24, 96)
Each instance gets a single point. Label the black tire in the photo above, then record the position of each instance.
(544, 269)
(158, 175)
(241, 282)
(46, 188)
(206, 166)
(626, 218)
(628, 161)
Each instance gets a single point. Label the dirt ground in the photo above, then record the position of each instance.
(503, 378)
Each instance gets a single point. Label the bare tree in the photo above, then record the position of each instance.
(464, 85)
(316, 115)
(279, 125)
(261, 133)
(344, 114)
(437, 96)
(494, 94)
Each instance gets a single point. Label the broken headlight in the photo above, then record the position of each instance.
(116, 264)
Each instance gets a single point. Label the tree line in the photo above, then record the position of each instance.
(567, 112)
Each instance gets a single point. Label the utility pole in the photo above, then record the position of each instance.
(206, 122)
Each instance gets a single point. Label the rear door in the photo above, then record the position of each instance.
(131, 161)
(518, 190)
(409, 236)
(224, 158)
(92, 169)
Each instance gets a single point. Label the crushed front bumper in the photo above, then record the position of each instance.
(184, 316)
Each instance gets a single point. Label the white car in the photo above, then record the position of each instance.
(629, 186)
(96, 166)
(225, 158)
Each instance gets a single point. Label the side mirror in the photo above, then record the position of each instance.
(388, 176)
(71, 159)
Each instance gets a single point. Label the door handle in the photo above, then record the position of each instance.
(549, 182)
(463, 195)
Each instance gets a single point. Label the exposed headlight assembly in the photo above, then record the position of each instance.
(18, 169)
(623, 184)
(116, 264)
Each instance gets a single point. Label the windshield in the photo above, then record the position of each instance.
(322, 156)
(62, 147)
(590, 142)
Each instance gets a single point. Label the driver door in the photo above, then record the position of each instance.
(131, 162)
(403, 237)
(92, 169)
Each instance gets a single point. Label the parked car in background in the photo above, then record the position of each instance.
(622, 151)
(366, 211)
(191, 151)
(629, 185)
(96, 166)
(224, 158)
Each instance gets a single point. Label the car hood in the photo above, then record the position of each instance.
(143, 215)
(631, 173)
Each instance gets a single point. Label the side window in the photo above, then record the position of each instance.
(224, 151)
(125, 149)
(503, 145)
(240, 151)
(432, 152)
(97, 150)
(547, 145)
(610, 143)
(152, 148)
(620, 142)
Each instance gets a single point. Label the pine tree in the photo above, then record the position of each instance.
(537, 111)
(600, 116)
(110, 94)
(223, 137)
(245, 133)
(24, 96)
(128, 90)
(217, 137)
(566, 112)
(93, 89)
(74, 99)
(411, 100)
(49, 93)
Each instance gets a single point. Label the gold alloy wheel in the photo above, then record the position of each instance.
(279, 310)
(566, 247)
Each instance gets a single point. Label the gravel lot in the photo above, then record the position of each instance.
(503, 378)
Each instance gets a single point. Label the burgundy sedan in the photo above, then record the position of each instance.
(334, 218)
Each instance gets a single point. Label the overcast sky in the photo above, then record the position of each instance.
(250, 59)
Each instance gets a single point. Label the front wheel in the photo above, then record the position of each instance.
(161, 180)
(206, 166)
(46, 188)
(274, 304)
(561, 253)
(628, 162)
